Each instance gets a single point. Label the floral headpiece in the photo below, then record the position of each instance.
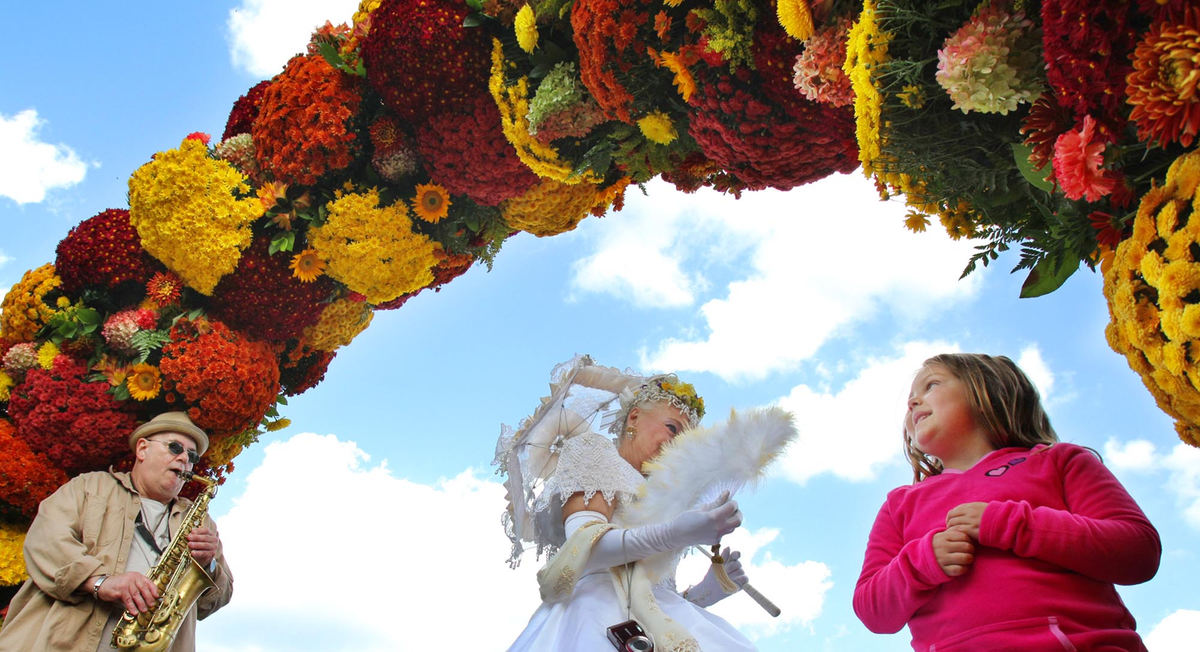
(666, 388)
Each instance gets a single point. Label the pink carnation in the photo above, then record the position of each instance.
(1077, 162)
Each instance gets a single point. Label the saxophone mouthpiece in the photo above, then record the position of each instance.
(186, 475)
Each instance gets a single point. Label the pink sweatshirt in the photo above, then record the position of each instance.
(1058, 531)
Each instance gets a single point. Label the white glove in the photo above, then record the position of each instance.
(695, 527)
(709, 591)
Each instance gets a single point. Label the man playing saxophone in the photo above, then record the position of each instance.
(94, 540)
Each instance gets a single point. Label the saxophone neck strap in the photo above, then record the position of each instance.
(146, 534)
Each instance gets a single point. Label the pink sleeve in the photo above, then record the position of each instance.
(897, 577)
(1102, 534)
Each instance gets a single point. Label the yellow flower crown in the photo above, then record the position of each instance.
(677, 393)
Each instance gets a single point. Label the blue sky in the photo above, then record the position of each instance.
(373, 522)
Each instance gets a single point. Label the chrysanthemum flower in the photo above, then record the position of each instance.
(795, 17)
(1077, 161)
(1164, 87)
(916, 221)
(307, 265)
(525, 26)
(163, 289)
(431, 202)
(47, 352)
(143, 382)
(657, 127)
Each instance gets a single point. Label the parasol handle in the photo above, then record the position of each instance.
(761, 599)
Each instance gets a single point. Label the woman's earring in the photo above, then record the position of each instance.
(630, 432)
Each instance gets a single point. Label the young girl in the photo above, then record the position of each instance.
(1006, 539)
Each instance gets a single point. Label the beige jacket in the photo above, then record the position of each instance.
(85, 528)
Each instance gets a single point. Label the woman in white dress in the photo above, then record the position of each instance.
(601, 574)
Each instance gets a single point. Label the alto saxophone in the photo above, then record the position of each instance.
(180, 581)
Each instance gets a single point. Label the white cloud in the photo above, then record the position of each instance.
(1030, 361)
(1136, 455)
(1184, 480)
(30, 167)
(1175, 633)
(805, 264)
(798, 590)
(266, 33)
(857, 430)
(329, 550)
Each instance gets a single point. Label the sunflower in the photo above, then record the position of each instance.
(143, 382)
(432, 203)
(307, 265)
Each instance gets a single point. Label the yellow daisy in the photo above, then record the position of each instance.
(143, 382)
(658, 128)
(432, 202)
(307, 265)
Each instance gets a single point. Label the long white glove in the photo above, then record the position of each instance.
(709, 591)
(704, 526)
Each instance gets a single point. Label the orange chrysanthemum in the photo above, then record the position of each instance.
(144, 382)
(431, 203)
(1164, 87)
(163, 289)
(307, 265)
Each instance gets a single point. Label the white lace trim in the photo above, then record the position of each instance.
(589, 464)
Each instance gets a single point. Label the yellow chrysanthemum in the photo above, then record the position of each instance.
(866, 49)
(658, 128)
(340, 322)
(795, 17)
(550, 208)
(24, 311)
(307, 265)
(12, 557)
(46, 354)
(373, 250)
(1152, 290)
(6, 385)
(525, 25)
(143, 382)
(277, 425)
(224, 449)
(432, 202)
(186, 210)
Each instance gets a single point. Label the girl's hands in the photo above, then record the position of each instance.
(954, 547)
(954, 551)
(966, 517)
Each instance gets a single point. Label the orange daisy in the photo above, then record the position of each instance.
(307, 265)
(432, 202)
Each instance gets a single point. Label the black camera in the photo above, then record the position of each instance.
(630, 637)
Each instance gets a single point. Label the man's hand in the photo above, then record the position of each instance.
(204, 545)
(131, 589)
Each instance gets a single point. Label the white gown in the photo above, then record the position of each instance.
(590, 464)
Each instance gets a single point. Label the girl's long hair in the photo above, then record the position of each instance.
(1004, 400)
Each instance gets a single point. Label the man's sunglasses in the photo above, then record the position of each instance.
(176, 448)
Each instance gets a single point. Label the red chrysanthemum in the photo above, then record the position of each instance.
(76, 424)
(1164, 87)
(103, 251)
(1109, 231)
(302, 130)
(263, 298)
(26, 477)
(226, 381)
(766, 144)
(1046, 121)
(302, 369)
(422, 61)
(469, 155)
(1086, 46)
(245, 110)
(447, 269)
